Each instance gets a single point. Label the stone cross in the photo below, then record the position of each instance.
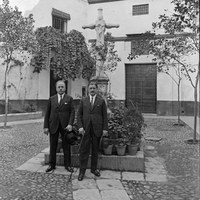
(100, 27)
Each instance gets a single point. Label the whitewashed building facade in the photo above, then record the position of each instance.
(137, 79)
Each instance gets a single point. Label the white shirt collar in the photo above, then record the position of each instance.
(93, 97)
(60, 95)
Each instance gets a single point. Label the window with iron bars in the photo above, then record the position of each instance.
(59, 23)
(142, 9)
(59, 20)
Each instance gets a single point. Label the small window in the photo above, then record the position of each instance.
(59, 20)
(142, 9)
(58, 23)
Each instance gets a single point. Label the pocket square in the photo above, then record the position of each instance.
(65, 102)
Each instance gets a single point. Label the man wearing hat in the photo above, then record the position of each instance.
(59, 118)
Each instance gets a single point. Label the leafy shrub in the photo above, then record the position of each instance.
(116, 128)
(133, 122)
(126, 123)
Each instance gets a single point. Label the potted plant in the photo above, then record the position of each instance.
(116, 128)
(106, 146)
(134, 124)
(115, 122)
(121, 147)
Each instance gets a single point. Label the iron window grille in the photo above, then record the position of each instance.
(59, 20)
(142, 9)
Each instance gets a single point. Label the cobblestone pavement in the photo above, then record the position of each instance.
(181, 162)
(171, 157)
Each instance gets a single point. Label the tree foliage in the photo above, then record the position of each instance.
(107, 53)
(16, 32)
(17, 38)
(183, 19)
(65, 53)
(182, 25)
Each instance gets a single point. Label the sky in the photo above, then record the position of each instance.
(22, 5)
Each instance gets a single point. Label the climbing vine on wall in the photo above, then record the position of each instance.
(65, 53)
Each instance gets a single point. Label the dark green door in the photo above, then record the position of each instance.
(141, 86)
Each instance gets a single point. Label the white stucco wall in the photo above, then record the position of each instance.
(187, 91)
(119, 12)
(75, 87)
(43, 84)
(23, 82)
(167, 89)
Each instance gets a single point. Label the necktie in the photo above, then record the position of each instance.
(60, 98)
(92, 102)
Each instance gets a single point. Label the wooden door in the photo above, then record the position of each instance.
(141, 86)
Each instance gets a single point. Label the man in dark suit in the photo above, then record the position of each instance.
(59, 116)
(92, 123)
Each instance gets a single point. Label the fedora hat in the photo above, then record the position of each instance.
(70, 137)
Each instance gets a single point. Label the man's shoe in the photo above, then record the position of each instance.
(69, 169)
(81, 175)
(96, 172)
(50, 168)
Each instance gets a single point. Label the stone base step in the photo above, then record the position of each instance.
(108, 162)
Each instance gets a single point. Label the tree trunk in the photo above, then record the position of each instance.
(195, 108)
(6, 96)
(179, 103)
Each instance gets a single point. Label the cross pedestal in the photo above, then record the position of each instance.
(102, 82)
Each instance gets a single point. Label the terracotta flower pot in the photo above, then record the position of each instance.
(108, 150)
(121, 149)
(104, 142)
(132, 149)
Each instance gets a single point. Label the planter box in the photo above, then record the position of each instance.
(111, 162)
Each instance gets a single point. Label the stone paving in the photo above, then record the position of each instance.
(171, 168)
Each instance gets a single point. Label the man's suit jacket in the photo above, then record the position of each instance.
(97, 115)
(56, 113)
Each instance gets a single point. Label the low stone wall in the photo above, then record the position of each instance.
(169, 108)
(163, 108)
(21, 116)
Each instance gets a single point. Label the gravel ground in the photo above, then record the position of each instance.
(19, 143)
(181, 162)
